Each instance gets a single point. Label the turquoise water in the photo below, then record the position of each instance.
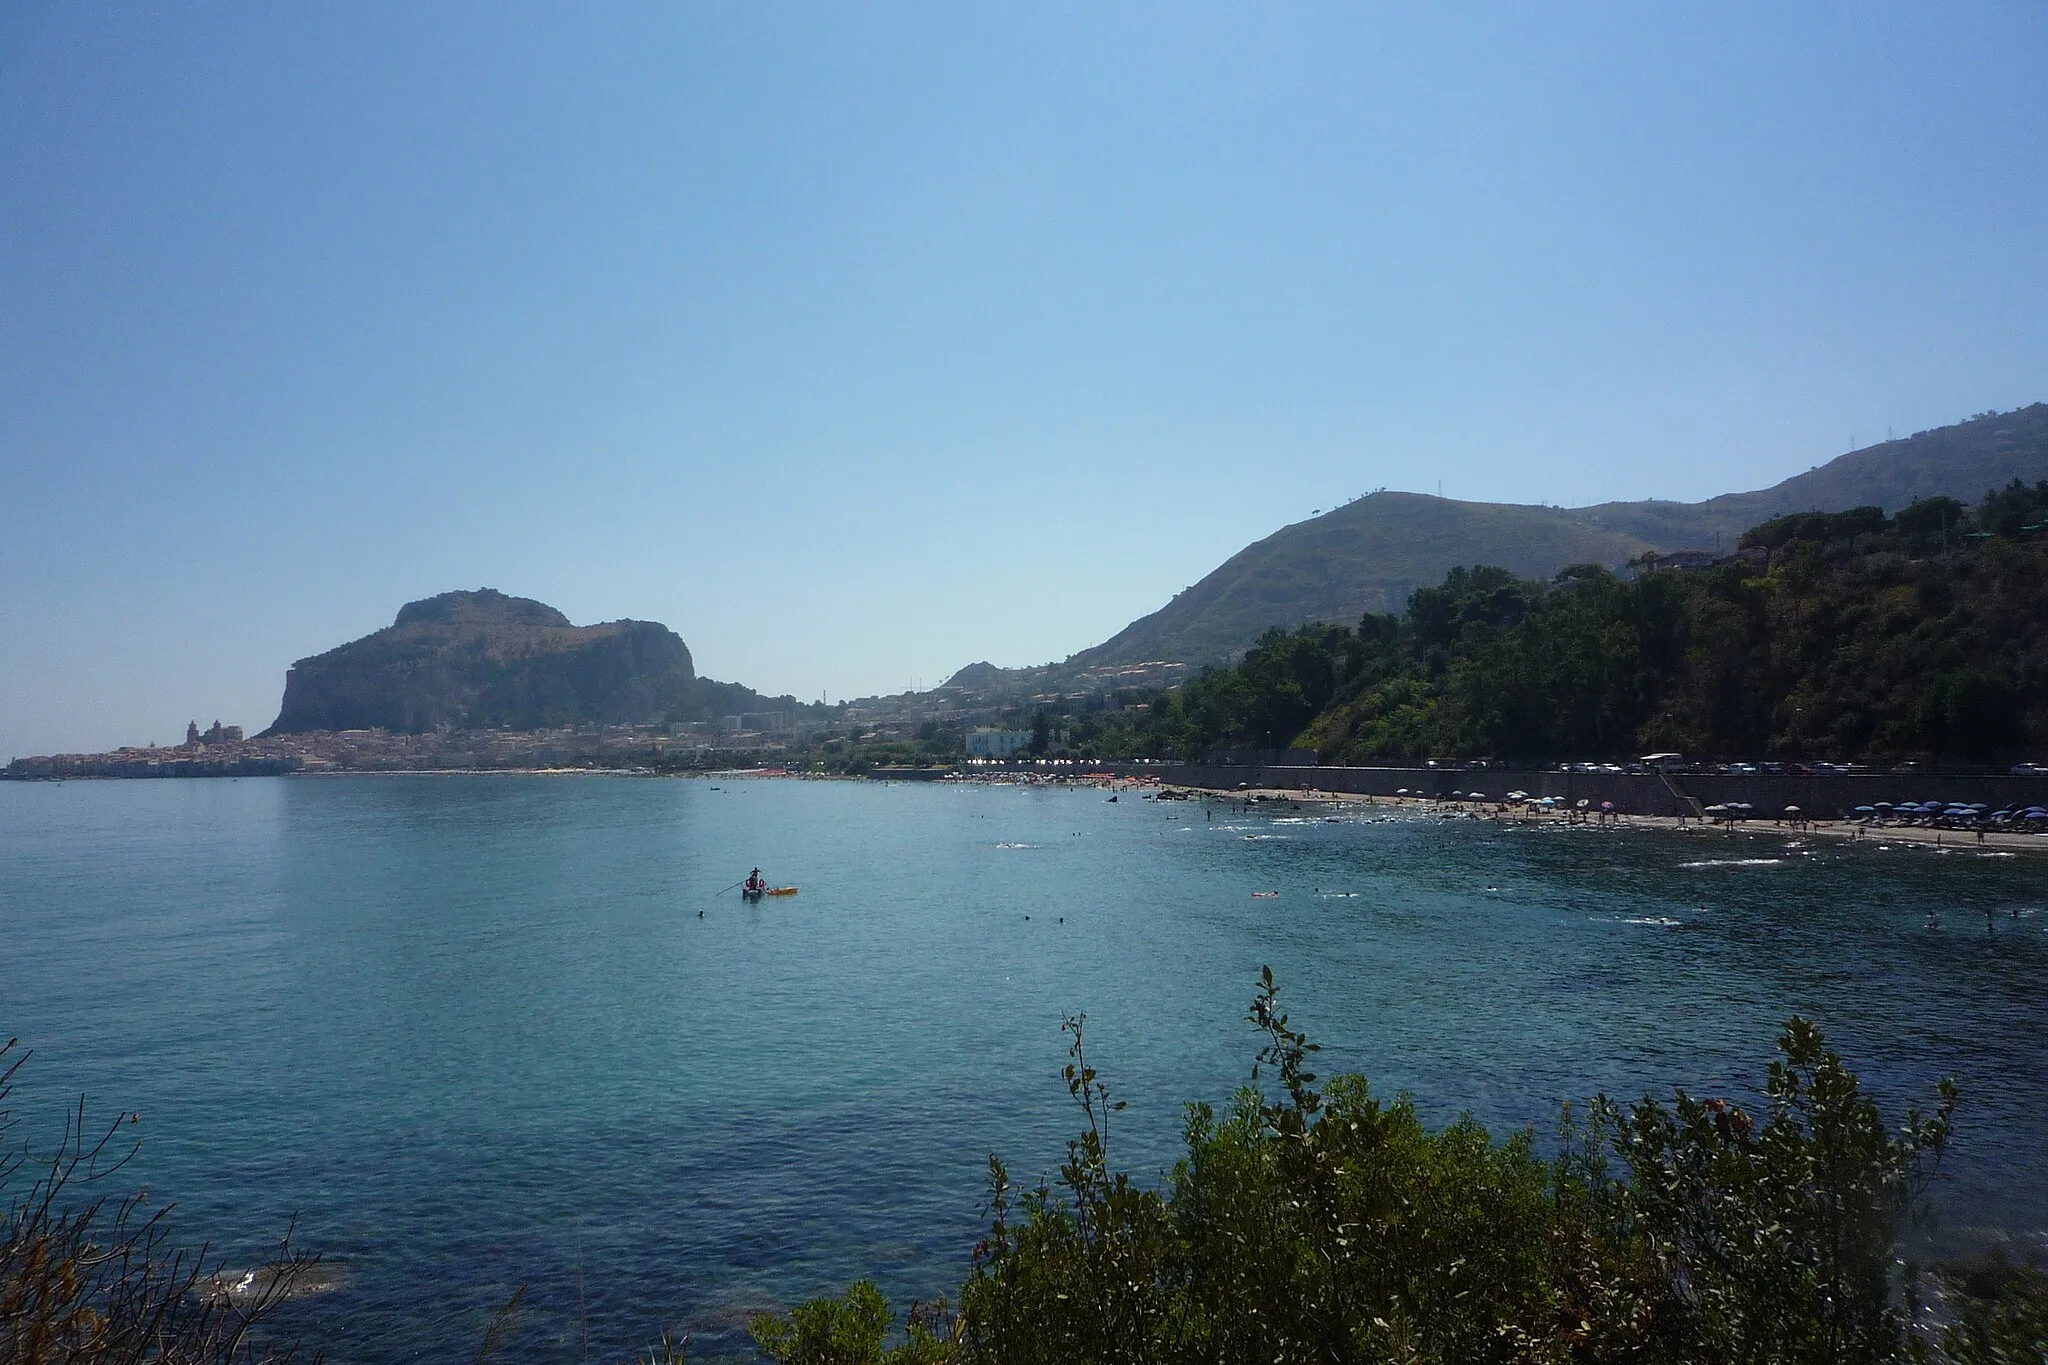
(473, 1033)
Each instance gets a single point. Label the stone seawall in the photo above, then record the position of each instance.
(1632, 793)
(106, 765)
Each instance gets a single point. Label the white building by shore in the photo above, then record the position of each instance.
(996, 743)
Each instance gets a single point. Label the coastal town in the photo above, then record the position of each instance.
(985, 706)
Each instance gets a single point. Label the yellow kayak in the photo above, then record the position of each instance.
(769, 891)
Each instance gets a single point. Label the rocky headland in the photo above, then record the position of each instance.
(484, 660)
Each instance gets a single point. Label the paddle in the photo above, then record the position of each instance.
(741, 882)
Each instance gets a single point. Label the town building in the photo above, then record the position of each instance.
(996, 743)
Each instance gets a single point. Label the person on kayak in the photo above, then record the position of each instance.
(754, 884)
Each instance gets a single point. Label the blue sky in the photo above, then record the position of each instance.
(861, 342)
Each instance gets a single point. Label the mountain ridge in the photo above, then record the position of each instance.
(1369, 554)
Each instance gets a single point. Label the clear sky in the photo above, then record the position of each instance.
(860, 342)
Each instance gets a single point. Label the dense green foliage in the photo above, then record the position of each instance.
(1314, 1225)
(1832, 635)
(850, 1330)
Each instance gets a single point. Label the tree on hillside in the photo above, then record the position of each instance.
(1832, 635)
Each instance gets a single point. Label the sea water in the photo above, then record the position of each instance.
(481, 1032)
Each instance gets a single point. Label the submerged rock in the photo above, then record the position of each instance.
(245, 1288)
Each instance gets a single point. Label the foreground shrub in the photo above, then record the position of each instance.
(851, 1330)
(89, 1279)
(1328, 1225)
(2000, 1313)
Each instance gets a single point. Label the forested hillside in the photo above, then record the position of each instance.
(1830, 636)
(1371, 553)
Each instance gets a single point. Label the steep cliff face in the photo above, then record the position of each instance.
(481, 659)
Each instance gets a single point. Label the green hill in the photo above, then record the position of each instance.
(1830, 635)
(1370, 554)
(1366, 556)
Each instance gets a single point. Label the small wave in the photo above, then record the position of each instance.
(1736, 862)
(1659, 921)
(1016, 845)
(1256, 838)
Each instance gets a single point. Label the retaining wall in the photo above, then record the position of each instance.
(1632, 793)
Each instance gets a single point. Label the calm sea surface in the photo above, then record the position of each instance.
(474, 1033)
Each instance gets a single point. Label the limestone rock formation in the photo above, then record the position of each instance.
(472, 660)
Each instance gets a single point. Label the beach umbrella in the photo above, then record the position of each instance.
(1791, 810)
(1547, 801)
(1606, 805)
(1866, 810)
(1475, 796)
(1583, 803)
